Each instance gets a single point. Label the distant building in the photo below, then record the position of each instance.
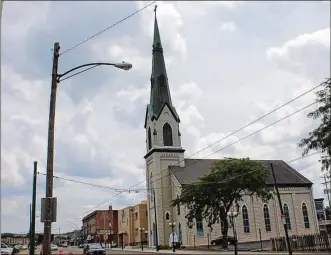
(16, 239)
(133, 224)
(101, 226)
(323, 223)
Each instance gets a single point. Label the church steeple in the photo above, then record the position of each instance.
(160, 92)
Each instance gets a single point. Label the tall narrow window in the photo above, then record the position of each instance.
(167, 135)
(199, 224)
(244, 212)
(266, 218)
(222, 226)
(287, 216)
(149, 139)
(178, 207)
(152, 193)
(305, 215)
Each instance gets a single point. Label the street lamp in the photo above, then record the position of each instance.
(232, 216)
(56, 78)
(172, 225)
(141, 238)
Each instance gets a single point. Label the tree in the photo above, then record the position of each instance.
(320, 138)
(213, 195)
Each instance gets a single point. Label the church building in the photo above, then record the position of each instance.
(167, 170)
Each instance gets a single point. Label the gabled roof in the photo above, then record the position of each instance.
(196, 168)
(149, 112)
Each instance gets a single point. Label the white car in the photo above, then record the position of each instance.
(54, 247)
(6, 249)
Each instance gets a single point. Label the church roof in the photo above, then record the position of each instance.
(196, 168)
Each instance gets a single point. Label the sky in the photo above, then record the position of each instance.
(228, 63)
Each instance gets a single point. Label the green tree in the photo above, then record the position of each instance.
(213, 195)
(320, 138)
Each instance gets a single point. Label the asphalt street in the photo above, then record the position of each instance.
(79, 251)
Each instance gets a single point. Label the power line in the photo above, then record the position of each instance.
(263, 116)
(131, 188)
(204, 183)
(113, 198)
(134, 190)
(107, 28)
(245, 137)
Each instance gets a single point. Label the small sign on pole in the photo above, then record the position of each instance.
(282, 219)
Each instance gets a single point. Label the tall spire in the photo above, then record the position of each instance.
(160, 92)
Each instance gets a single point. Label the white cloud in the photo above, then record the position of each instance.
(100, 137)
(228, 26)
(307, 54)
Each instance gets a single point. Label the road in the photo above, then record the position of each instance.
(78, 251)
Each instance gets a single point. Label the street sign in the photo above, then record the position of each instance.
(44, 206)
(282, 219)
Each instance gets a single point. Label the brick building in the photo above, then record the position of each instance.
(133, 224)
(101, 226)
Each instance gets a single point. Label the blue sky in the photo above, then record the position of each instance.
(228, 63)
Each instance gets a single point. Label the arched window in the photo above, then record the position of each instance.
(287, 216)
(266, 218)
(244, 212)
(167, 216)
(178, 207)
(167, 135)
(149, 139)
(305, 215)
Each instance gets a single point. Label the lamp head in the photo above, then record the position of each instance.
(124, 66)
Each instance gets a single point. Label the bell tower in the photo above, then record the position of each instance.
(163, 146)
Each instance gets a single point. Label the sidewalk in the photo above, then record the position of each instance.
(150, 250)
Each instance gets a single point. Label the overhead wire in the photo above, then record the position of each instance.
(107, 28)
(202, 183)
(197, 160)
(227, 136)
(131, 188)
(134, 190)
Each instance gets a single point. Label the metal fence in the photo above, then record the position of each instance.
(316, 242)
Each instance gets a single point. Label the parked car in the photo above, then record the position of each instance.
(93, 249)
(219, 241)
(54, 247)
(5, 249)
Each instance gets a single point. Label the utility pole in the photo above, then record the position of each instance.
(50, 154)
(281, 211)
(327, 190)
(156, 235)
(33, 209)
(30, 226)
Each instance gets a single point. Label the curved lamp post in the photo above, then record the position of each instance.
(232, 216)
(56, 78)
